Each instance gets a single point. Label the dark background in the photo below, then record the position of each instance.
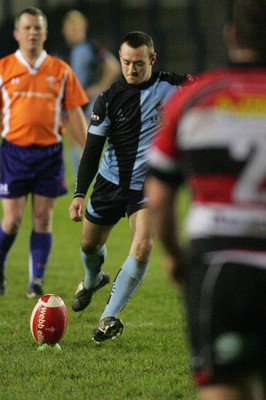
(187, 33)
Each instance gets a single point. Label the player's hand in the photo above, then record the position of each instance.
(76, 209)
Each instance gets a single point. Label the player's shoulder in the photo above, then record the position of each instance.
(203, 85)
(213, 75)
(112, 90)
(111, 96)
(213, 83)
(9, 65)
(227, 74)
(7, 59)
(174, 78)
(57, 61)
(58, 65)
(193, 87)
(208, 81)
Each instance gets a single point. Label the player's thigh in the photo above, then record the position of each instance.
(247, 387)
(142, 235)
(13, 212)
(220, 392)
(42, 213)
(226, 304)
(94, 236)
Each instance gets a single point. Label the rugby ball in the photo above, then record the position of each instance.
(48, 320)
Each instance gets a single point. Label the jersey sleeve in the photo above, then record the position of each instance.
(89, 164)
(100, 121)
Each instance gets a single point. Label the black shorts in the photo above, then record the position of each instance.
(108, 202)
(226, 308)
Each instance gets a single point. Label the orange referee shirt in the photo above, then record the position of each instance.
(32, 98)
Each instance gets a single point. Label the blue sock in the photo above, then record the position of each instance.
(92, 265)
(40, 248)
(6, 242)
(125, 284)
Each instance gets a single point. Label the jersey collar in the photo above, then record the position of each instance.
(141, 86)
(32, 69)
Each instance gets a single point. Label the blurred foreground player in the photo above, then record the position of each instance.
(214, 137)
(34, 89)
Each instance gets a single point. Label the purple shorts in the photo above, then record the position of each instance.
(33, 169)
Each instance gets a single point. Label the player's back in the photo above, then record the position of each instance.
(222, 138)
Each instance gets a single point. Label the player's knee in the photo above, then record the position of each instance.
(89, 247)
(141, 250)
(42, 225)
(11, 225)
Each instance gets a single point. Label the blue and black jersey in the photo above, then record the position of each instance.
(125, 117)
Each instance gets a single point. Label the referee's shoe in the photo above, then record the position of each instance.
(3, 285)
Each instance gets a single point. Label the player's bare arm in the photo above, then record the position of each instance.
(78, 124)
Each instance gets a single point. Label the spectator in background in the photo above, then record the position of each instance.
(95, 67)
(214, 137)
(34, 88)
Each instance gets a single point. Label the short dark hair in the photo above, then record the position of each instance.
(136, 39)
(249, 19)
(32, 11)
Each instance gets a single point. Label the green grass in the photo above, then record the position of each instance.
(149, 361)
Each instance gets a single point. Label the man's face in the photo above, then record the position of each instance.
(31, 33)
(136, 63)
(74, 31)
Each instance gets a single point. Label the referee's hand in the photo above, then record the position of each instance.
(76, 209)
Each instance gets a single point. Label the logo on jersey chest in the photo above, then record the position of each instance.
(156, 117)
(51, 80)
(15, 81)
(120, 117)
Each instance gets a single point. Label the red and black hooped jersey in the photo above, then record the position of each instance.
(214, 134)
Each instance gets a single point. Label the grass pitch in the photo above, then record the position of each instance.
(149, 361)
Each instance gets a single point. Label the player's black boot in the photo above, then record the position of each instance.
(108, 328)
(83, 296)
